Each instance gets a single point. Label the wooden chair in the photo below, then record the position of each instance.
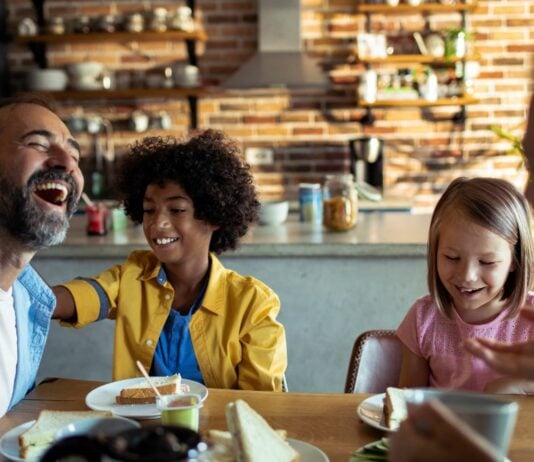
(375, 362)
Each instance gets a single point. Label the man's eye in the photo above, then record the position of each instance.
(39, 146)
(486, 263)
(148, 211)
(177, 210)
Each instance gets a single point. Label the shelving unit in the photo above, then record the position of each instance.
(424, 9)
(38, 45)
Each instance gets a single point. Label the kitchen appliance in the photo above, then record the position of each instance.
(367, 160)
(281, 60)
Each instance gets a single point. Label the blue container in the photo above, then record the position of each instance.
(311, 203)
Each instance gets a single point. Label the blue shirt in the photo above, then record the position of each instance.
(34, 304)
(174, 351)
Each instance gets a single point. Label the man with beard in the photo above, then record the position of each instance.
(40, 185)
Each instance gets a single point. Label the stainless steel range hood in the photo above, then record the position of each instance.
(280, 60)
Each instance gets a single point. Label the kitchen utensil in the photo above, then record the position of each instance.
(185, 75)
(367, 160)
(47, 79)
(147, 377)
(273, 212)
(139, 121)
(366, 191)
(492, 417)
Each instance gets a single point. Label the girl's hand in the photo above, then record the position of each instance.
(433, 433)
(514, 359)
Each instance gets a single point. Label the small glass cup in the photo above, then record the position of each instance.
(181, 409)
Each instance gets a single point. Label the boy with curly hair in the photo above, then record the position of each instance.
(176, 308)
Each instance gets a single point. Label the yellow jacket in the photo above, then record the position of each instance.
(237, 341)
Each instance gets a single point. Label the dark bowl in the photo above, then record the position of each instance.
(159, 443)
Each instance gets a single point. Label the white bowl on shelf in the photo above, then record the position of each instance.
(89, 70)
(46, 79)
(273, 212)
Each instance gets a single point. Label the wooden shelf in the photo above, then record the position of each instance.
(95, 37)
(410, 59)
(420, 102)
(409, 9)
(130, 93)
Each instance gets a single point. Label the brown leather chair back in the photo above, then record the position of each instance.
(375, 362)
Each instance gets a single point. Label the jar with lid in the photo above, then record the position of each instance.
(340, 202)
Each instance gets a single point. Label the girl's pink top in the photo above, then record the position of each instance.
(428, 334)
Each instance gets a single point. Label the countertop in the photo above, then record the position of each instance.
(377, 234)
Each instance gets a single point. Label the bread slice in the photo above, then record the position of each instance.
(253, 439)
(395, 409)
(143, 393)
(40, 435)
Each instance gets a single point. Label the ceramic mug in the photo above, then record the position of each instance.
(493, 418)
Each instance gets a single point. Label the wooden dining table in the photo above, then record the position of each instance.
(327, 421)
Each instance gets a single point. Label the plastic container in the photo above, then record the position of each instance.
(180, 409)
(340, 203)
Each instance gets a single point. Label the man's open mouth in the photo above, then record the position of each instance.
(53, 192)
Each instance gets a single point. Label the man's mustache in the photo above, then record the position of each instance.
(55, 174)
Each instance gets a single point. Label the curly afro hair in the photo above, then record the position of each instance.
(210, 171)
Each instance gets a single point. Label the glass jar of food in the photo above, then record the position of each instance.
(340, 202)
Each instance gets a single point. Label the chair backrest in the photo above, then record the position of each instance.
(375, 362)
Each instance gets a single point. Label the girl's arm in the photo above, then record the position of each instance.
(65, 306)
(510, 386)
(414, 370)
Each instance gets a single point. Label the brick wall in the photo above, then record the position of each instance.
(309, 129)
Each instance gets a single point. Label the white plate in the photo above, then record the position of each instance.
(103, 399)
(371, 412)
(308, 452)
(9, 443)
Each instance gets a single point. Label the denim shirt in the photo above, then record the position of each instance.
(34, 304)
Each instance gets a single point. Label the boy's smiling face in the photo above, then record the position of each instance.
(170, 226)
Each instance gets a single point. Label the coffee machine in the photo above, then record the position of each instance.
(367, 160)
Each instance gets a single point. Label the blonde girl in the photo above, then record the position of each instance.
(480, 269)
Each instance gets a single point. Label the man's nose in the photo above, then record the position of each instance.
(62, 159)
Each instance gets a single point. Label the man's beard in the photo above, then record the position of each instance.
(28, 222)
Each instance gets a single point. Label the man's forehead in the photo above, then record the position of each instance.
(28, 115)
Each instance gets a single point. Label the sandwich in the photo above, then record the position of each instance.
(253, 439)
(143, 393)
(40, 436)
(395, 409)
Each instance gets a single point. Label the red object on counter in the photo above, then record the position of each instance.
(97, 219)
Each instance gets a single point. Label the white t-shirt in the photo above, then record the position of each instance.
(8, 349)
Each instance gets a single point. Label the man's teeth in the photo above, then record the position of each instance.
(63, 191)
(166, 240)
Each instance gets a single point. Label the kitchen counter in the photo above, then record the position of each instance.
(332, 286)
(377, 234)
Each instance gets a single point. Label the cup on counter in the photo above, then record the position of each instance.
(119, 220)
(492, 417)
(181, 409)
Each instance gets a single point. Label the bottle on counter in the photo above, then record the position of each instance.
(340, 203)
(311, 203)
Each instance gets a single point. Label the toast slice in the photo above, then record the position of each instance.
(395, 409)
(34, 441)
(142, 392)
(252, 437)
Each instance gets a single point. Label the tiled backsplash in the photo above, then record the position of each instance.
(309, 130)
